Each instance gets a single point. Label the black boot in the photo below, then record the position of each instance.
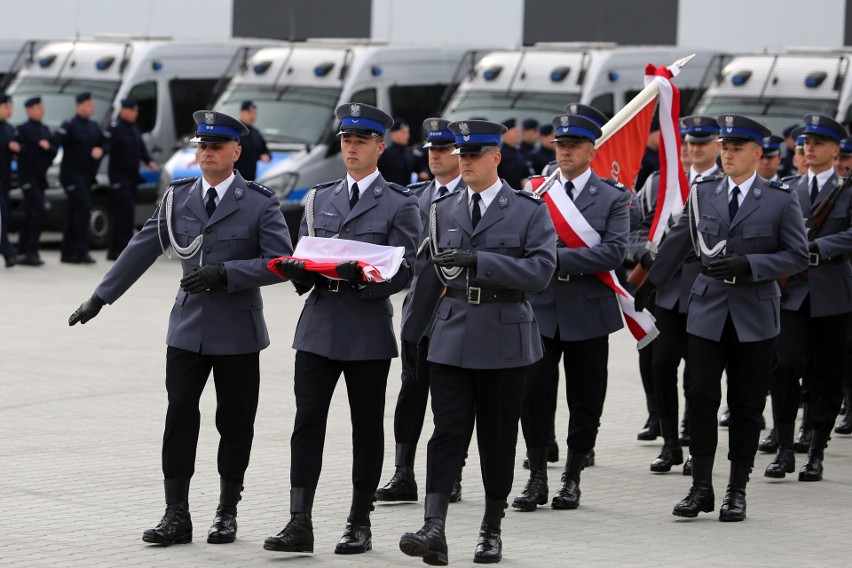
(224, 527)
(700, 498)
(568, 496)
(803, 441)
(456, 493)
(671, 454)
(552, 451)
(687, 466)
(489, 547)
(785, 459)
(769, 445)
(845, 425)
(298, 535)
(402, 486)
(357, 537)
(590, 459)
(430, 542)
(684, 436)
(733, 507)
(651, 430)
(176, 525)
(812, 470)
(725, 419)
(536, 492)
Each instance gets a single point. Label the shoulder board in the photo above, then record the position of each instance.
(778, 185)
(528, 195)
(702, 179)
(418, 185)
(615, 184)
(444, 197)
(551, 163)
(327, 184)
(182, 181)
(400, 188)
(260, 188)
(787, 179)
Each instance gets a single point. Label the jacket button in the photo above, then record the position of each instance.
(347, 230)
(208, 231)
(473, 243)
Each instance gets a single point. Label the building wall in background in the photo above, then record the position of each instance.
(302, 19)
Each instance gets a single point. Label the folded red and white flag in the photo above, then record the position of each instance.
(378, 262)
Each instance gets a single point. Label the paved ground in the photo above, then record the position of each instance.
(81, 419)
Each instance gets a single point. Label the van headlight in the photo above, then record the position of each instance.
(282, 184)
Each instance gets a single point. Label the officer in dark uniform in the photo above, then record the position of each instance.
(529, 137)
(226, 230)
(127, 150)
(494, 246)
(254, 146)
(397, 162)
(347, 327)
(37, 152)
(815, 309)
(545, 152)
(8, 146)
(417, 310)
(83, 145)
(514, 166)
(749, 233)
(771, 159)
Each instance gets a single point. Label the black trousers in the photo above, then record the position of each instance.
(315, 380)
(460, 397)
(823, 341)
(75, 235)
(30, 233)
(749, 367)
(668, 350)
(412, 399)
(237, 381)
(123, 214)
(585, 364)
(6, 248)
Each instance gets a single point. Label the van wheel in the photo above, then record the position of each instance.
(99, 224)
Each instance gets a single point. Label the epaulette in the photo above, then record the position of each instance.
(446, 195)
(414, 187)
(182, 181)
(529, 195)
(327, 184)
(260, 188)
(702, 179)
(786, 179)
(615, 184)
(775, 184)
(400, 188)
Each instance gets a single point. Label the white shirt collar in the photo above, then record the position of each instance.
(745, 187)
(821, 177)
(363, 183)
(579, 182)
(220, 189)
(451, 186)
(693, 173)
(488, 194)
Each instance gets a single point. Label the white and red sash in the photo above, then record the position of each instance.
(576, 232)
(378, 262)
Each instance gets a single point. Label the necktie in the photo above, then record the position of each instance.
(353, 199)
(569, 189)
(734, 203)
(476, 214)
(814, 190)
(442, 191)
(211, 201)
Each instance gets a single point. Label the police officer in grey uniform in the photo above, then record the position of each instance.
(417, 310)
(346, 327)
(749, 233)
(225, 230)
(494, 246)
(815, 309)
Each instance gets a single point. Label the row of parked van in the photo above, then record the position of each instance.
(297, 85)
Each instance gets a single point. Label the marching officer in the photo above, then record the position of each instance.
(37, 152)
(83, 145)
(254, 145)
(576, 313)
(815, 308)
(127, 149)
(398, 162)
(771, 159)
(417, 310)
(749, 233)
(514, 166)
(8, 146)
(226, 230)
(494, 246)
(346, 327)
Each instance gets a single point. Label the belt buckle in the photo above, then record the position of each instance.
(334, 285)
(471, 298)
(813, 259)
(730, 281)
(563, 277)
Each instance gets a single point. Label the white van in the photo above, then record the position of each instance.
(169, 78)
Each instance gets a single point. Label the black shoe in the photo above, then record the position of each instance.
(784, 463)
(401, 487)
(489, 547)
(568, 496)
(733, 507)
(650, 431)
(297, 536)
(30, 260)
(670, 455)
(725, 420)
(112, 256)
(456, 493)
(86, 259)
(812, 470)
(357, 538)
(535, 493)
(429, 543)
(700, 499)
(590, 459)
(11, 260)
(687, 467)
(552, 452)
(803, 440)
(174, 528)
(845, 425)
(224, 529)
(769, 445)
(69, 259)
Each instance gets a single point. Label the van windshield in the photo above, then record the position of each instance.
(500, 105)
(58, 98)
(776, 113)
(289, 114)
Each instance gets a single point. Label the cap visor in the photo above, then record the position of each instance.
(211, 138)
(362, 132)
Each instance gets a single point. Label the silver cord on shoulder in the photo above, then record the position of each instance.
(183, 253)
(444, 273)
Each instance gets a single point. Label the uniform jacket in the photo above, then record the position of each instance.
(356, 325)
(513, 167)
(767, 229)
(34, 160)
(127, 150)
(514, 242)
(7, 134)
(77, 137)
(829, 285)
(254, 146)
(397, 164)
(246, 230)
(587, 308)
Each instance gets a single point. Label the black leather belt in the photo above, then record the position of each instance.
(575, 277)
(705, 270)
(816, 259)
(329, 285)
(474, 295)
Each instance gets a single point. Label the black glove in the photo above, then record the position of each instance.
(813, 247)
(87, 310)
(729, 266)
(207, 278)
(294, 270)
(411, 353)
(643, 295)
(350, 270)
(456, 257)
(647, 260)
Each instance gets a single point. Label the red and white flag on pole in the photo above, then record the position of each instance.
(619, 156)
(378, 262)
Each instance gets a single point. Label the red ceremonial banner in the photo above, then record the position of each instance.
(620, 157)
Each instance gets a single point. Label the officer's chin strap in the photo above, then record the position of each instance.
(183, 253)
(696, 235)
(444, 273)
